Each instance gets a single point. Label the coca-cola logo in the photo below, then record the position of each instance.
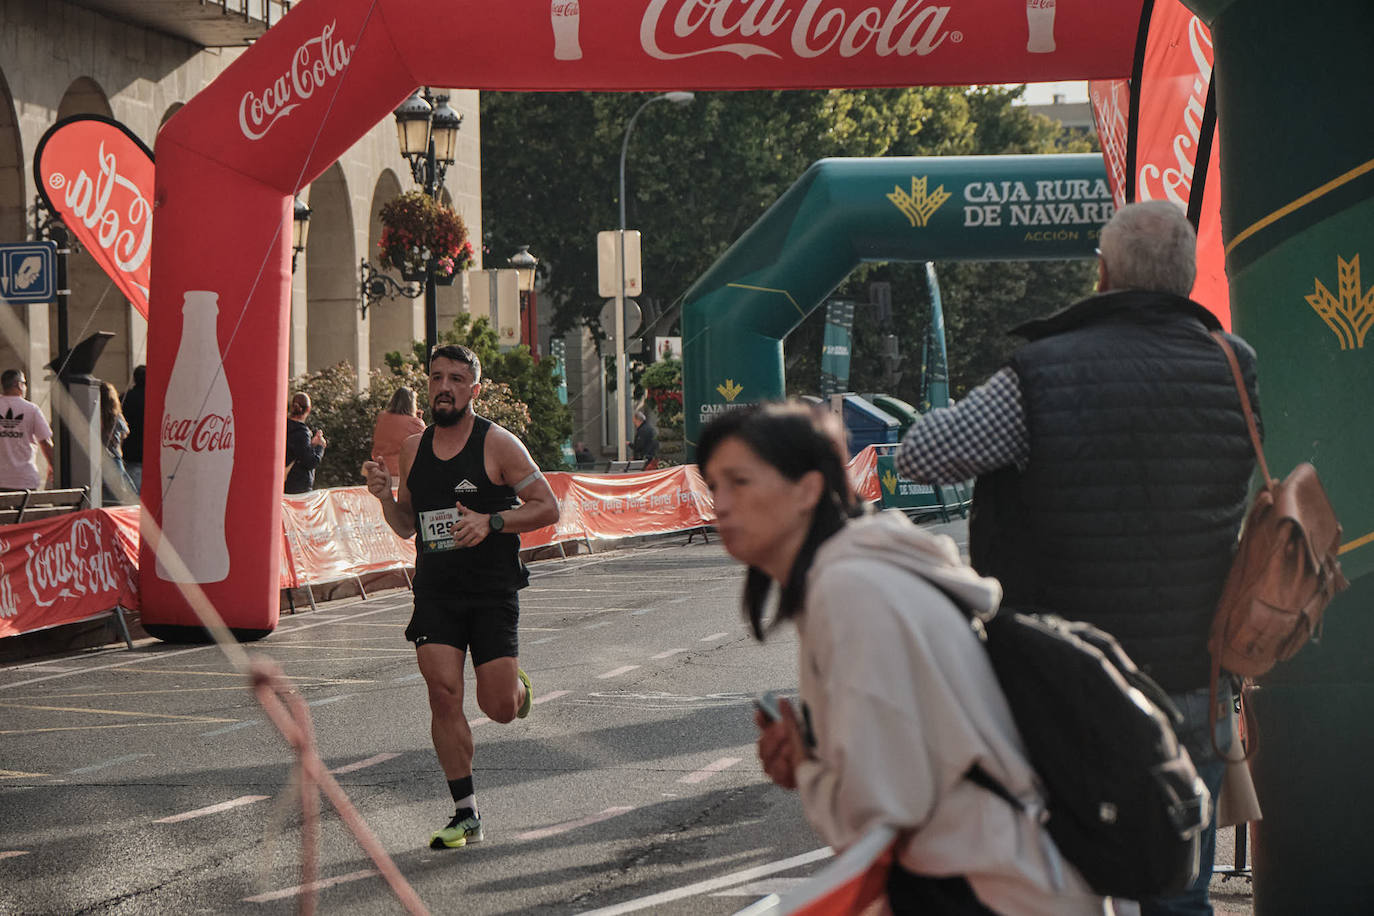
(78, 565)
(90, 202)
(210, 433)
(314, 63)
(805, 28)
(1174, 182)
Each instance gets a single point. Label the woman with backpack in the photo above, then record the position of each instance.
(898, 699)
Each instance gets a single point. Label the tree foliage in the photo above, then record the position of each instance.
(697, 176)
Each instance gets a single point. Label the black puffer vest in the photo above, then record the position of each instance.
(1127, 513)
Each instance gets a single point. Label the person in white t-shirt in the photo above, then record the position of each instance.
(22, 427)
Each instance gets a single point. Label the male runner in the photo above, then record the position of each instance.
(457, 496)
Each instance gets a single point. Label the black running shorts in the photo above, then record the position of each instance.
(485, 626)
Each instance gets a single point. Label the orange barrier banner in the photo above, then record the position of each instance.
(650, 502)
(64, 569)
(338, 534)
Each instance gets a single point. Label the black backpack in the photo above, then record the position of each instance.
(1125, 804)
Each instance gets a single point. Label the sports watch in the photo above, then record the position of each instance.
(497, 522)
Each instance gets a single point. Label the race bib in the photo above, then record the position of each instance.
(436, 528)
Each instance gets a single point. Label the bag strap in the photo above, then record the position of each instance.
(1226, 348)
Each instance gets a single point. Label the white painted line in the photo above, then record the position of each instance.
(312, 886)
(777, 886)
(669, 654)
(409, 677)
(229, 728)
(482, 721)
(11, 853)
(714, 884)
(647, 610)
(710, 770)
(327, 700)
(213, 809)
(40, 667)
(617, 672)
(108, 763)
(541, 641)
(550, 696)
(714, 636)
(595, 626)
(556, 829)
(363, 764)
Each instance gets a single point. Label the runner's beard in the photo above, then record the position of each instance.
(451, 416)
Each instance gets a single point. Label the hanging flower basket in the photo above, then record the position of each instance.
(420, 234)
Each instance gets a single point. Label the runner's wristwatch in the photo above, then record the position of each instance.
(497, 522)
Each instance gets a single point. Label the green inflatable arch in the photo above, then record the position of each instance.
(843, 212)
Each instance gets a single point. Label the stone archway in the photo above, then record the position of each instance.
(28, 352)
(334, 329)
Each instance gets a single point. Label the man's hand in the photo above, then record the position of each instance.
(318, 438)
(781, 747)
(471, 528)
(378, 479)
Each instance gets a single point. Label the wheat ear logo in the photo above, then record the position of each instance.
(1350, 313)
(889, 480)
(918, 206)
(729, 390)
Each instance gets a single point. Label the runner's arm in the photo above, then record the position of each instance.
(515, 468)
(396, 509)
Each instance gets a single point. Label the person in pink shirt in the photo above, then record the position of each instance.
(395, 425)
(22, 427)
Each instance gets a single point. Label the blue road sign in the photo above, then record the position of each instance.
(28, 272)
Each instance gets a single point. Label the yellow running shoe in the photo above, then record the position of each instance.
(465, 828)
(526, 706)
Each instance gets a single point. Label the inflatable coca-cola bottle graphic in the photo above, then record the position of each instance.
(197, 449)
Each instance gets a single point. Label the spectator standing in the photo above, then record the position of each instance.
(898, 698)
(645, 444)
(1112, 463)
(395, 425)
(583, 456)
(23, 431)
(114, 429)
(304, 449)
(133, 415)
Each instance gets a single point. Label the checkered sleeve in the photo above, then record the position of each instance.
(983, 432)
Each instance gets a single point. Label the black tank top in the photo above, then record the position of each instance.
(436, 488)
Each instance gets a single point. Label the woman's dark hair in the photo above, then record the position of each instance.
(794, 439)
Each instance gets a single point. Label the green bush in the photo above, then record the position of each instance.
(662, 383)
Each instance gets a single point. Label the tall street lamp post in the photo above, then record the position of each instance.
(525, 264)
(427, 129)
(621, 379)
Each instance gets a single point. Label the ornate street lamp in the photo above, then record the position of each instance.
(427, 131)
(300, 230)
(525, 264)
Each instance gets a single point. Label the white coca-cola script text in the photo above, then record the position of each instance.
(90, 202)
(210, 433)
(313, 64)
(78, 565)
(806, 28)
(1174, 183)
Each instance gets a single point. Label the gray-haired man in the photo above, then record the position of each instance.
(1112, 463)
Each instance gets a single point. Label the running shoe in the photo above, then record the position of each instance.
(526, 706)
(465, 828)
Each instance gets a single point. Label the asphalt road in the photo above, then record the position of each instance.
(151, 782)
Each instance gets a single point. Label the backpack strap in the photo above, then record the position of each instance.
(1269, 482)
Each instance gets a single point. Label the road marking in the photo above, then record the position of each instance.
(229, 728)
(163, 656)
(669, 654)
(536, 642)
(777, 886)
(11, 853)
(363, 764)
(112, 712)
(312, 886)
(476, 722)
(38, 667)
(550, 696)
(714, 636)
(314, 679)
(408, 678)
(105, 764)
(617, 672)
(19, 774)
(327, 700)
(714, 884)
(642, 611)
(556, 829)
(213, 809)
(710, 770)
(593, 626)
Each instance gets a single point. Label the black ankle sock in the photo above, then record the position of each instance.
(460, 788)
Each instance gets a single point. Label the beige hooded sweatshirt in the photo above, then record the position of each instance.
(903, 701)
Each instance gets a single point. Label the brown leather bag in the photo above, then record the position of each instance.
(1285, 570)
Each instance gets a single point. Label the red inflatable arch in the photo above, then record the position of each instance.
(231, 160)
